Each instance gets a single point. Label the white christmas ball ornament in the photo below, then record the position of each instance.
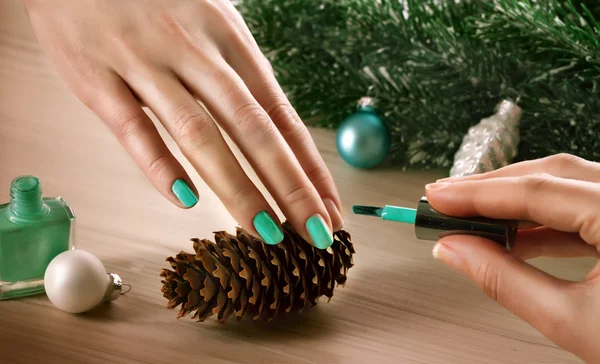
(76, 281)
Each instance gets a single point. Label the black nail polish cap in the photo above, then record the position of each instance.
(433, 225)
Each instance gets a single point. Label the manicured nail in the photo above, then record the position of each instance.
(319, 232)
(334, 213)
(436, 186)
(184, 193)
(448, 257)
(268, 229)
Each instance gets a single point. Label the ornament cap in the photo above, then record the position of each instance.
(509, 111)
(367, 102)
(114, 287)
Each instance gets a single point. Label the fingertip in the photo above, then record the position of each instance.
(186, 196)
(319, 232)
(267, 228)
(437, 196)
(447, 255)
(435, 187)
(464, 253)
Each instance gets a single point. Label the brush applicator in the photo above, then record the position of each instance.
(433, 225)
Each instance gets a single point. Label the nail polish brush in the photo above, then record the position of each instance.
(430, 224)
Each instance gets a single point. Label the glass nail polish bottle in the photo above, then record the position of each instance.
(33, 230)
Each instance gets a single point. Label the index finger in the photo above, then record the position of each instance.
(559, 203)
(559, 165)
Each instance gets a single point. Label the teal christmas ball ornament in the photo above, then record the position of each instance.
(362, 139)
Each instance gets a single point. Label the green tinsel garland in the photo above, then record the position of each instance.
(438, 67)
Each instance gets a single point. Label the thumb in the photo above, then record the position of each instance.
(536, 297)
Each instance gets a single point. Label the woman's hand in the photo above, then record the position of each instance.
(166, 55)
(561, 194)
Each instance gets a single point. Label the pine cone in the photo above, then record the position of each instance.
(241, 276)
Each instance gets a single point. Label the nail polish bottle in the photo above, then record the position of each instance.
(33, 230)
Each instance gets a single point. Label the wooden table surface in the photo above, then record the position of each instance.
(398, 306)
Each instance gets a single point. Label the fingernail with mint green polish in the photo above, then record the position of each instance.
(184, 193)
(319, 232)
(268, 229)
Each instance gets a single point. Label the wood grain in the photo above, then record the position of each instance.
(399, 305)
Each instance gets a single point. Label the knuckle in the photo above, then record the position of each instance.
(242, 193)
(216, 10)
(129, 61)
(488, 278)
(158, 164)
(298, 195)
(248, 113)
(563, 160)
(227, 21)
(191, 126)
(279, 111)
(531, 187)
(251, 121)
(220, 75)
(590, 229)
(266, 62)
(127, 123)
(169, 23)
(319, 175)
(285, 119)
(536, 182)
(231, 33)
(177, 32)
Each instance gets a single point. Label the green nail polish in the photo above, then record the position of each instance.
(184, 193)
(33, 231)
(319, 232)
(268, 228)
